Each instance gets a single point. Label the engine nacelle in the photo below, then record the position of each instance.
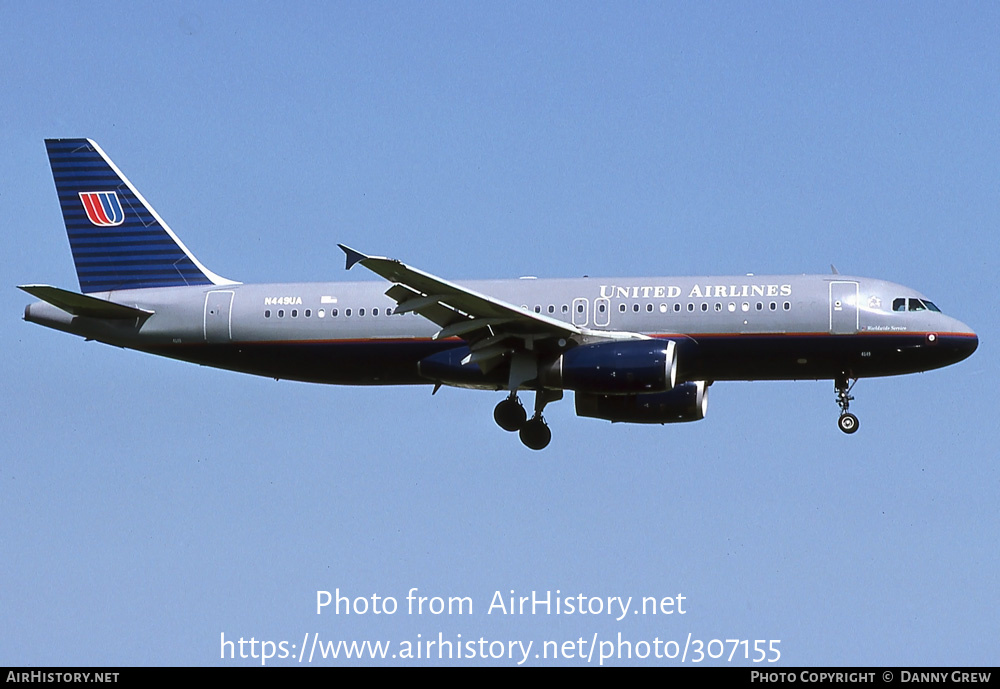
(686, 402)
(616, 368)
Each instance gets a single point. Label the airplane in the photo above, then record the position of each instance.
(632, 350)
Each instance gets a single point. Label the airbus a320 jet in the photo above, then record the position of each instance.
(633, 350)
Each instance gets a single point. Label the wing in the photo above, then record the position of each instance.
(495, 330)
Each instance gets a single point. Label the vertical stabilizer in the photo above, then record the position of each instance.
(118, 240)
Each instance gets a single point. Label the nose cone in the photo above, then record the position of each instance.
(960, 343)
(967, 345)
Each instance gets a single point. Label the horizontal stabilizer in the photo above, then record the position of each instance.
(83, 305)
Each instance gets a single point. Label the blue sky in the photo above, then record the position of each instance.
(150, 506)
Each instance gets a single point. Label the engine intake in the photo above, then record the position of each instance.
(686, 402)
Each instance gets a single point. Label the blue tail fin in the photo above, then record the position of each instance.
(118, 240)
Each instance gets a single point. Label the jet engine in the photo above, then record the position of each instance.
(616, 368)
(686, 402)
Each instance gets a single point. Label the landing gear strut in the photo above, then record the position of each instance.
(847, 422)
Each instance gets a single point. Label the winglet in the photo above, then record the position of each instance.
(353, 256)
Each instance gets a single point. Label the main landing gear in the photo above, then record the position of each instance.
(847, 422)
(534, 432)
(510, 414)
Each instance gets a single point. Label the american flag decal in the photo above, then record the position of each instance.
(103, 208)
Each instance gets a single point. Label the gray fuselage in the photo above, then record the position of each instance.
(727, 328)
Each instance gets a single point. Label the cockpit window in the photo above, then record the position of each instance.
(913, 304)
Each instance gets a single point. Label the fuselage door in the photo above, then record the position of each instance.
(218, 316)
(843, 308)
(580, 311)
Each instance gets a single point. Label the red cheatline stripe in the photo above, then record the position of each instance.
(405, 340)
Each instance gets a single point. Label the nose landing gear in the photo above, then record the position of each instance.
(847, 422)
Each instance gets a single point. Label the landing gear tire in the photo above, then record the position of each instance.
(535, 434)
(848, 423)
(510, 415)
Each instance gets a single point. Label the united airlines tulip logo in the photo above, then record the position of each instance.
(103, 208)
